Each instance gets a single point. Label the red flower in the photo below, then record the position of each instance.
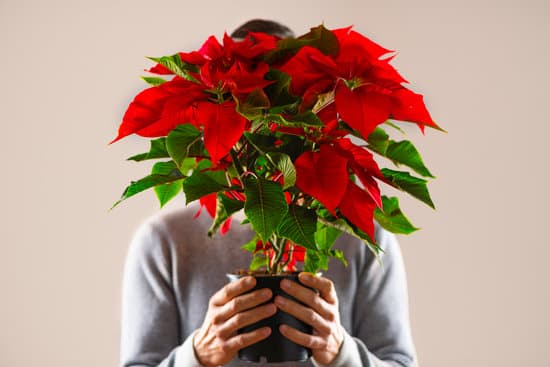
(209, 202)
(231, 67)
(158, 110)
(295, 252)
(223, 126)
(362, 163)
(368, 90)
(358, 207)
(323, 175)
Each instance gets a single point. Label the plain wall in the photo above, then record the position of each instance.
(478, 270)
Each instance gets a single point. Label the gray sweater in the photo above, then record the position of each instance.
(173, 268)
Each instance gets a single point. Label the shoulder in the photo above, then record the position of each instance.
(178, 232)
(154, 236)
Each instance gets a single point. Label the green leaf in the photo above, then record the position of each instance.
(378, 141)
(307, 118)
(181, 141)
(279, 92)
(339, 255)
(188, 165)
(292, 145)
(323, 39)
(153, 80)
(250, 246)
(404, 152)
(299, 226)
(415, 186)
(284, 164)
(147, 182)
(200, 184)
(395, 126)
(225, 207)
(261, 142)
(254, 104)
(399, 152)
(176, 65)
(325, 236)
(157, 150)
(314, 261)
(318, 37)
(170, 190)
(392, 218)
(259, 261)
(343, 226)
(265, 205)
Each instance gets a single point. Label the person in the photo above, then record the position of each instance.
(179, 310)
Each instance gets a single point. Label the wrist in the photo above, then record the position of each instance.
(197, 349)
(186, 355)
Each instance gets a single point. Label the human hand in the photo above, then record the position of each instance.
(216, 343)
(320, 310)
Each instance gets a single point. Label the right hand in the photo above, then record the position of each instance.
(217, 342)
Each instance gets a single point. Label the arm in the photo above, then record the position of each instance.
(381, 309)
(381, 334)
(151, 335)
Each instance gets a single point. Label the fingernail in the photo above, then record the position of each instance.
(285, 284)
(265, 293)
(270, 309)
(283, 328)
(266, 331)
(280, 301)
(249, 281)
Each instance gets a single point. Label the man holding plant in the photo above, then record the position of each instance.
(262, 124)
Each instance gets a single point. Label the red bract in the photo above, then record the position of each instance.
(253, 45)
(231, 67)
(362, 108)
(223, 126)
(238, 79)
(323, 175)
(273, 117)
(363, 165)
(368, 90)
(296, 253)
(158, 110)
(209, 202)
(358, 207)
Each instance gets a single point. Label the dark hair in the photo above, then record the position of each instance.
(265, 26)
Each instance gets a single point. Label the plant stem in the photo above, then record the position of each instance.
(236, 162)
(290, 251)
(279, 248)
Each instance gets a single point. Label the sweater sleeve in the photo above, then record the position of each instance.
(150, 335)
(381, 309)
(381, 335)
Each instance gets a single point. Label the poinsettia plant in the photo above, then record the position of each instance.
(285, 129)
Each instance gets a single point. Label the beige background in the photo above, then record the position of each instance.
(478, 271)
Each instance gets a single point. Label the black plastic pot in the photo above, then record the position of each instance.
(276, 348)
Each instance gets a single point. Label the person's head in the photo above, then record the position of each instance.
(262, 25)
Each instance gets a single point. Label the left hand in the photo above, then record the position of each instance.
(320, 310)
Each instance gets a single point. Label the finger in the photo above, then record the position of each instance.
(243, 303)
(303, 339)
(324, 285)
(305, 314)
(308, 297)
(232, 290)
(244, 340)
(246, 318)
